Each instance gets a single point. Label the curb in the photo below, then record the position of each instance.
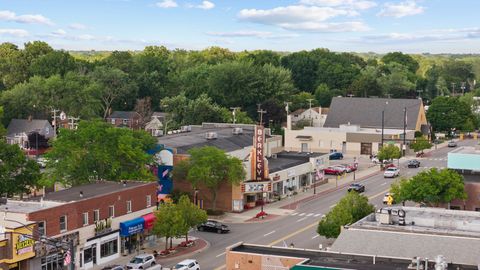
(183, 256)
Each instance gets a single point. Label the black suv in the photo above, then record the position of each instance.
(213, 226)
(356, 187)
(413, 163)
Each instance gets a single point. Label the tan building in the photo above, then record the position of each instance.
(314, 117)
(348, 139)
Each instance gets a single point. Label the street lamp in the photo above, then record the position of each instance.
(195, 197)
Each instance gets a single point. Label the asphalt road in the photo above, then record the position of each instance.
(299, 227)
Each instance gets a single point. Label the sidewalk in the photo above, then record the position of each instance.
(159, 245)
(288, 205)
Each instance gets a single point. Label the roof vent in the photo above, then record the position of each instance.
(185, 128)
(211, 135)
(237, 131)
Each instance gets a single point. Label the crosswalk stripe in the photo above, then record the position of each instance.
(302, 214)
(311, 214)
(294, 214)
(316, 215)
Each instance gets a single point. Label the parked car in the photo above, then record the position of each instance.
(114, 267)
(413, 163)
(42, 162)
(389, 165)
(142, 261)
(452, 144)
(334, 170)
(187, 265)
(349, 167)
(213, 226)
(336, 155)
(356, 187)
(391, 172)
(387, 197)
(377, 161)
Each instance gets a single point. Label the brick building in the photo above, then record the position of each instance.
(126, 119)
(103, 219)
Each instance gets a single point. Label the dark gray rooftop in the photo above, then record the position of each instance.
(27, 126)
(225, 140)
(333, 259)
(367, 112)
(89, 191)
(123, 114)
(285, 160)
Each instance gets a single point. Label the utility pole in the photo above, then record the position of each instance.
(404, 131)
(54, 111)
(234, 110)
(286, 106)
(261, 112)
(463, 88)
(419, 93)
(310, 109)
(73, 122)
(383, 122)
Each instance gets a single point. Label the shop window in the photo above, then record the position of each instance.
(129, 206)
(149, 200)
(111, 211)
(109, 248)
(41, 228)
(125, 121)
(63, 223)
(454, 207)
(113, 121)
(52, 262)
(477, 209)
(96, 215)
(87, 255)
(85, 219)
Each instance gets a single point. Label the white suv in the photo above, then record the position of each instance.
(142, 261)
(187, 265)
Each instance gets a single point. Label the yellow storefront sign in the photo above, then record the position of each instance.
(22, 244)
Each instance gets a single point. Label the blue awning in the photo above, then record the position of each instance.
(131, 227)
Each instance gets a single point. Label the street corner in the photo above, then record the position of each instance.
(183, 250)
(263, 218)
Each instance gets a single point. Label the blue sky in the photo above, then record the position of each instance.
(412, 26)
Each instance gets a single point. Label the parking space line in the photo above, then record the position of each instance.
(221, 254)
(269, 233)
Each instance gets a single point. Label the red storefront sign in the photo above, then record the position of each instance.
(259, 144)
(149, 221)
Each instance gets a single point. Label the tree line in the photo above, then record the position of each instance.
(198, 86)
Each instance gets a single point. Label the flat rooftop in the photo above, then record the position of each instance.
(351, 129)
(428, 232)
(225, 140)
(318, 259)
(472, 150)
(285, 160)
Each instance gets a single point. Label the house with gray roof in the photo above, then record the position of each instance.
(410, 232)
(126, 119)
(367, 113)
(19, 129)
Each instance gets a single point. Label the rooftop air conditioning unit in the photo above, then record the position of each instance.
(186, 128)
(211, 135)
(237, 131)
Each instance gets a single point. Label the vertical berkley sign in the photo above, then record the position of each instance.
(259, 144)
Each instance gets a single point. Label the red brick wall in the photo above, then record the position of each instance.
(133, 123)
(74, 211)
(473, 197)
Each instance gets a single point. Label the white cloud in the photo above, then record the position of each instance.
(77, 26)
(13, 32)
(402, 9)
(7, 15)
(307, 18)
(249, 33)
(355, 4)
(167, 4)
(204, 5)
(59, 32)
(432, 35)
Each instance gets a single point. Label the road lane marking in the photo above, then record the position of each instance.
(302, 219)
(378, 194)
(294, 214)
(221, 254)
(317, 235)
(383, 184)
(316, 215)
(333, 205)
(269, 233)
(311, 214)
(302, 214)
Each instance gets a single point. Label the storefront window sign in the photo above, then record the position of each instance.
(24, 244)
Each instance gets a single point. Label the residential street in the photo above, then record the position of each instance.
(299, 226)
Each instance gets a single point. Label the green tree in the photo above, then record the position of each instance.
(401, 58)
(53, 63)
(420, 144)
(446, 113)
(323, 95)
(13, 65)
(389, 152)
(191, 214)
(3, 131)
(17, 173)
(366, 84)
(397, 81)
(263, 57)
(301, 101)
(351, 208)
(433, 187)
(168, 223)
(211, 167)
(99, 151)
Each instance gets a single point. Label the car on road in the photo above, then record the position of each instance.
(391, 172)
(413, 163)
(452, 144)
(336, 155)
(188, 264)
(114, 267)
(388, 196)
(356, 187)
(349, 167)
(213, 226)
(334, 170)
(141, 261)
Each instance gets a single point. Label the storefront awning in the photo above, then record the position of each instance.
(149, 221)
(131, 227)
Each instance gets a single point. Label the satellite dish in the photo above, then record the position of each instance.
(63, 116)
